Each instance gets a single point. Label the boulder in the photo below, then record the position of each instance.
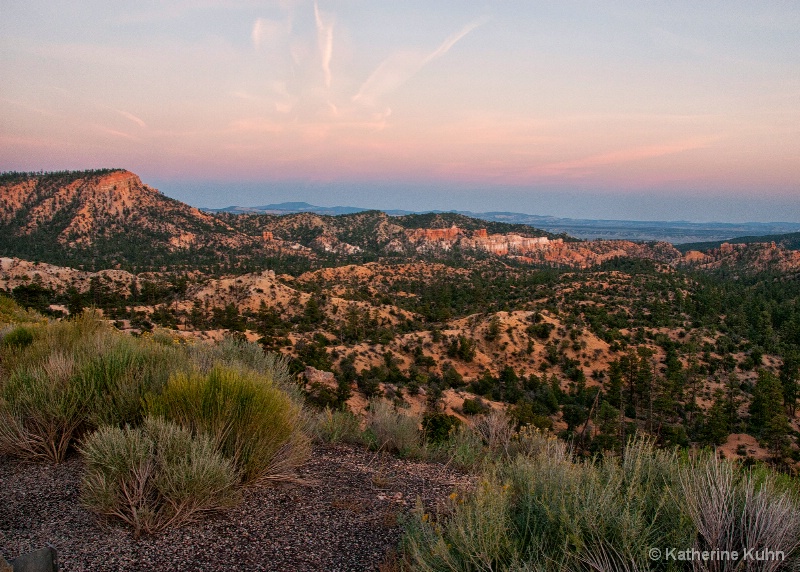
(42, 560)
(314, 375)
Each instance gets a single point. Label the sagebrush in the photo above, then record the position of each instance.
(155, 476)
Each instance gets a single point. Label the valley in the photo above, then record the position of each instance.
(364, 360)
(433, 309)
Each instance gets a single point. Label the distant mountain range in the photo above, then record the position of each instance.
(790, 241)
(676, 232)
(109, 219)
(294, 208)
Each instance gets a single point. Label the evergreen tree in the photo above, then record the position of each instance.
(767, 415)
(789, 382)
(716, 425)
(493, 331)
(608, 425)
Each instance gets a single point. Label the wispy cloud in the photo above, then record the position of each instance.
(628, 155)
(399, 67)
(267, 32)
(132, 117)
(116, 133)
(325, 42)
(257, 35)
(453, 40)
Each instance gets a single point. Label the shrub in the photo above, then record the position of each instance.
(11, 312)
(533, 442)
(438, 426)
(393, 431)
(73, 377)
(542, 510)
(338, 426)
(496, 430)
(474, 406)
(242, 355)
(321, 395)
(248, 418)
(733, 509)
(67, 378)
(41, 406)
(122, 374)
(155, 476)
(463, 449)
(541, 330)
(40, 414)
(19, 337)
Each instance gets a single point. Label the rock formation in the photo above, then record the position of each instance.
(503, 244)
(431, 235)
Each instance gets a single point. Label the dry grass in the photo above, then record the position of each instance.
(542, 510)
(338, 426)
(392, 430)
(735, 510)
(496, 430)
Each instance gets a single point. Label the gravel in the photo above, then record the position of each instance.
(341, 515)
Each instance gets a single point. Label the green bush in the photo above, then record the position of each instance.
(155, 476)
(67, 378)
(42, 407)
(122, 374)
(241, 355)
(41, 414)
(474, 406)
(463, 449)
(238, 354)
(438, 426)
(250, 420)
(12, 313)
(540, 330)
(19, 337)
(79, 338)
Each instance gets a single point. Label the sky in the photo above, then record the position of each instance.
(656, 110)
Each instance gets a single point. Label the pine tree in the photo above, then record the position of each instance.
(614, 385)
(767, 414)
(789, 381)
(716, 428)
(608, 425)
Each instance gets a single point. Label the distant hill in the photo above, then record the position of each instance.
(676, 232)
(789, 241)
(440, 219)
(105, 219)
(290, 208)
